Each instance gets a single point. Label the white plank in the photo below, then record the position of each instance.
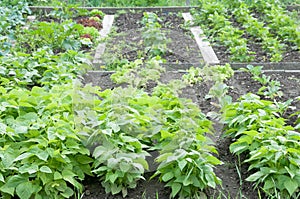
(107, 24)
(206, 50)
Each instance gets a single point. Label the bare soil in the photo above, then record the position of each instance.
(127, 41)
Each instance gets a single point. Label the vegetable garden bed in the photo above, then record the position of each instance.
(258, 33)
(233, 185)
(144, 120)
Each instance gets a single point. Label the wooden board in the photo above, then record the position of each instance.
(207, 51)
(107, 24)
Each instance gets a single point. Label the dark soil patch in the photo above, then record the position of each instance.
(229, 172)
(128, 42)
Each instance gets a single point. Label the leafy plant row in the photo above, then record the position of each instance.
(12, 16)
(279, 22)
(274, 29)
(259, 32)
(115, 3)
(214, 19)
(270, 145)
(54, 132)
(160, 121)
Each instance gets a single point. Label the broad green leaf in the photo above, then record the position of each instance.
(115, 127)
(57, 176)
(67, 193)
(12, 183)
(254, 177)
(115, 189)
(25, 190)
(291, 185)
(29, 168)
(182, 164)
(163, 157)
(128, 139)
(112, 178)
(124, 166)
(46, 177)
(167, 176)
(213, 160)
(165, 134)
(238, 148)
(143, 162)
(210, 180)
(45, 169)
(269, 184)
(21, 129)
(291, 172)
(83, 159)
(43, 155)
(23, 156)
(175, 189)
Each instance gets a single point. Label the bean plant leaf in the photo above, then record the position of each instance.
(25, 190)
(254, 177)
(11, 184)
(45, 169)
(167, 176)
(291, 185)
(175, 188)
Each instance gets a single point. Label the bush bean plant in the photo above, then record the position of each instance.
(269, 144)
(55, 131)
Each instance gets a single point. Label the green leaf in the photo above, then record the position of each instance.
(269, 184)
(45, 169)
(43, 155)
(25, 190)
(124, 166)
(291, 185)
(12, 183)
(143, 162)
(165, 134)
(115, 189)
(167, 176)
(29, 168)
(67, 193)
(254, 177)
(112, 178)
(175, 189)
(182, 164)
(57, 176)
(1, 178)
(83, 159)
(213, 160)
(238, 148)
(23, 156)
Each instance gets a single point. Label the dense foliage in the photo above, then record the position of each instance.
(55, 131)
(235, 24)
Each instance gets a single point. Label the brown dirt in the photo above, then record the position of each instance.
(127, 42)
